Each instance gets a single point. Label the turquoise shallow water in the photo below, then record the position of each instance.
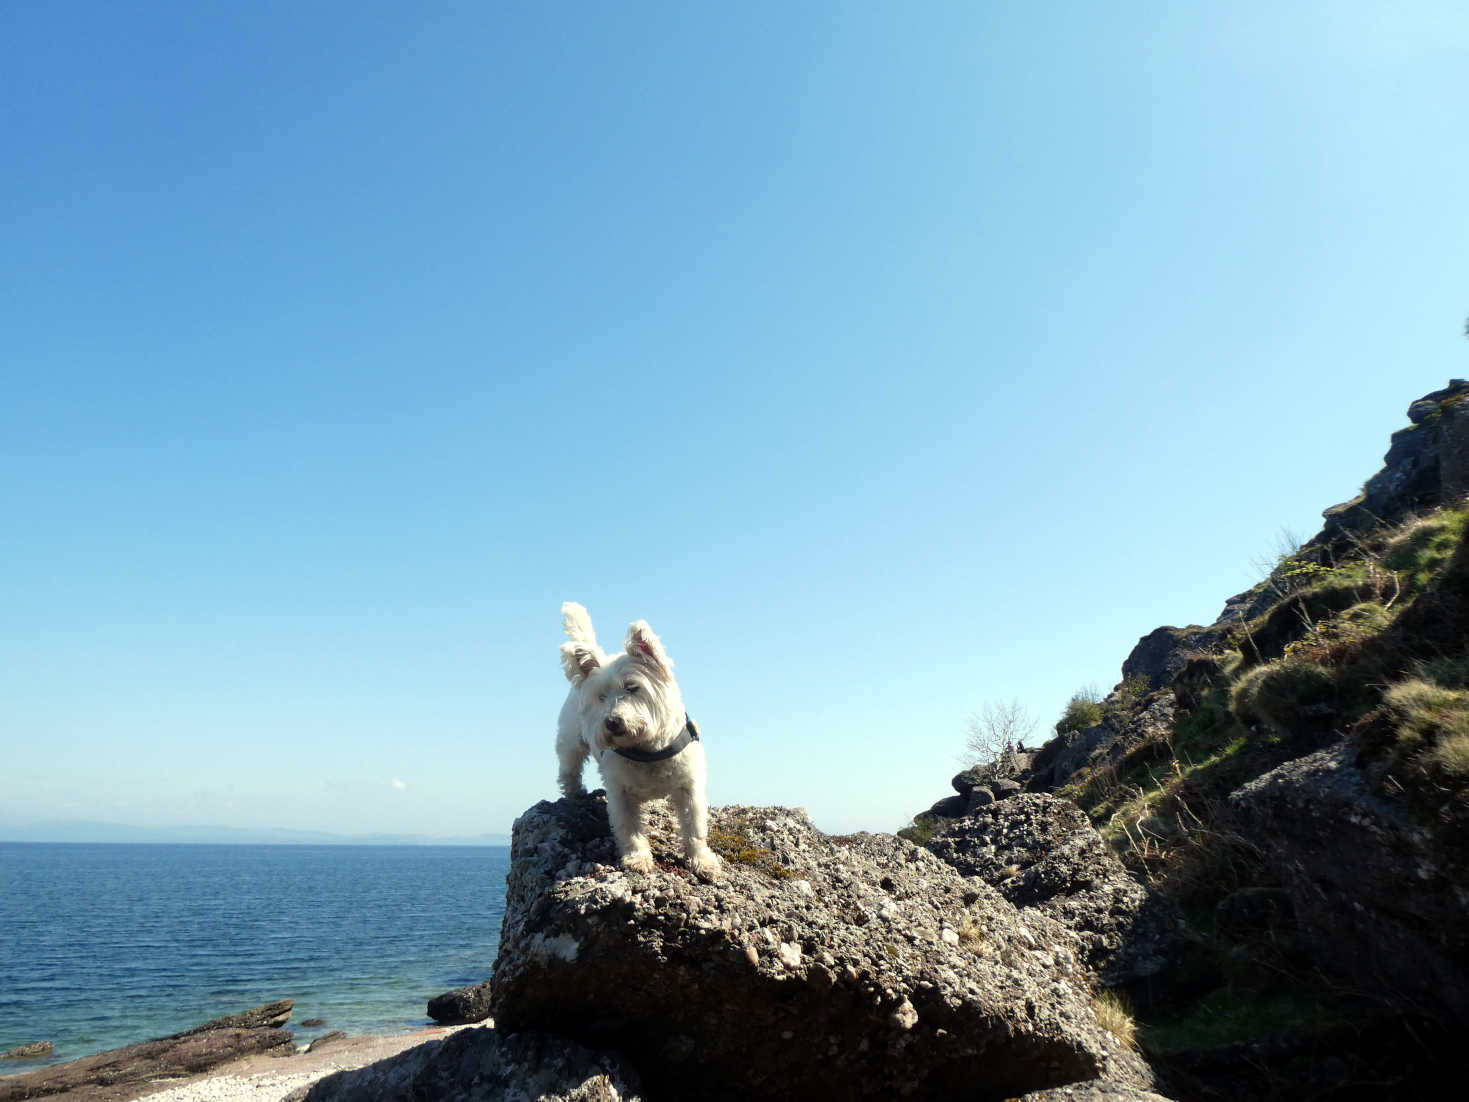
(104, 945)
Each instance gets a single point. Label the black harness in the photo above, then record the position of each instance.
(690, 733)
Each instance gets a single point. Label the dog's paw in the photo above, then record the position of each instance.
(639, 861)
(706, 865)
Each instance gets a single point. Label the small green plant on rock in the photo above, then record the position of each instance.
(735, 846)
(921, 829)
(1083, 710)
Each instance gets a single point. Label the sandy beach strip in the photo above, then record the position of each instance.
(263, 1078)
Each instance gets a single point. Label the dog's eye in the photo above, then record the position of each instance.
(601, 698)
(631, 686)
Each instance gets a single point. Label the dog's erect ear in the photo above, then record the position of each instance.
(580, 661)
(577, 624)
(645, 648)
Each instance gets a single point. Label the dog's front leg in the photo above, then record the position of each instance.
(626, 816)
(692, 809)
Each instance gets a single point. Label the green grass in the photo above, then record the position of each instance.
(1431, 722)
(1227, 1017)
(1419, 550)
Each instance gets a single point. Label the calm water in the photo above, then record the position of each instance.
(104, 945)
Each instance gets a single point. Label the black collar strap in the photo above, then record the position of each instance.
(690, 733)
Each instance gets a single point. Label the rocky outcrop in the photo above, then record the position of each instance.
(463, 1004)
(1373, 895)
(36, 1050)
(1426, 464)
(478, 1064)
(125, 1073)
(845, 967)
(1040, 851)
(1162, 653)
(270, 1016)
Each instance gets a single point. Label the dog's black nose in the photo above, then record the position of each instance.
(615, 726)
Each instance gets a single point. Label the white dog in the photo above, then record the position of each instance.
(626, 712)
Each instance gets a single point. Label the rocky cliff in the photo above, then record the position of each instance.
(1290, 786)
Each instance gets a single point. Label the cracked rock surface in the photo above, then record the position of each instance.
(849, 967)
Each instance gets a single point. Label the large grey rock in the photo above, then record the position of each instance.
(1061, 757)
(950, 807)
(1161, 653)
(1040, 851)
(845, 968)
(483, 1065)
(1377, 900)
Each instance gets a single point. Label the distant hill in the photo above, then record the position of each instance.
(81, 830)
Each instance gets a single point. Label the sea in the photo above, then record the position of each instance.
(105, 945)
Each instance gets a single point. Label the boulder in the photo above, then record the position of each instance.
(478, 1064)
(1377, 900)
(842, 967)
(980, 797)
(1004, 787)
(1065, 754)
(950, 807)
(966, 782)
(36, 1050)
(1040, 851)
(1161, 653)
(463, 1004)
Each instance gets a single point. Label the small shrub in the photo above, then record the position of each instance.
(921, 830)
(1083, 710)
(1125, 700)
(972, 934)
(1114, 1014)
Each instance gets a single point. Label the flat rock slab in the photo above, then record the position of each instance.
(838, 968)
(270, 1016)
(125, 1073)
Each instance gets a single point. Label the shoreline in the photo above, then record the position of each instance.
(264, 1077)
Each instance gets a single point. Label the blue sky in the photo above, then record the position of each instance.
(889, 359)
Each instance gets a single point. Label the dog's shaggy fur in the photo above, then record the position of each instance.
(631, 701)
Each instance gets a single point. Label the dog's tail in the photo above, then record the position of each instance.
(578, 625)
